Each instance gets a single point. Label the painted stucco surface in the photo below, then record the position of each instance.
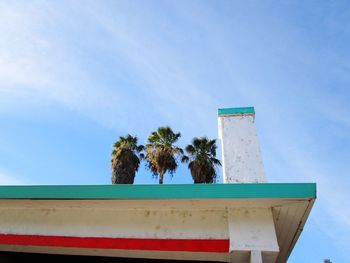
(242, 161)
(198, 229)
(116, 222)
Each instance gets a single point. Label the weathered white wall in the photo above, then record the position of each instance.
(116, 223)
(245, 222)
(252, 229)
(242, 162)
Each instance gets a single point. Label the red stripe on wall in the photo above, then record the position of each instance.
(189, 245)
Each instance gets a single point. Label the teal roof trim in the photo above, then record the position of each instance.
(171, 191)
(237, 111)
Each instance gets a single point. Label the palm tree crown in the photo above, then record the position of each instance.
(125, 160)
(161, 153)
(202, 160)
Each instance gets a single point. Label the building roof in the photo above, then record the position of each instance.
(290, 204)
(171, 191)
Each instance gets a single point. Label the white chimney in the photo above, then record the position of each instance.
(241, 157)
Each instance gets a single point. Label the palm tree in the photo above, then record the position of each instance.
(161, 153)
(125, 162)
(202, 160)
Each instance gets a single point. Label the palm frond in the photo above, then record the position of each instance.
(185, 159)
(178, 150)
(196, 142)
(215, 161)
(190, 149)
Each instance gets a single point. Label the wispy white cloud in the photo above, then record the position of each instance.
(34, 62)
(43, 64)
(160, 66)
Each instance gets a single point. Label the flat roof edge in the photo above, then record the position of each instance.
(170, 191)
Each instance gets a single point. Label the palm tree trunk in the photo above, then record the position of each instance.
(161, 176)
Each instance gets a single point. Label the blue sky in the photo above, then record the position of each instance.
(75, 75)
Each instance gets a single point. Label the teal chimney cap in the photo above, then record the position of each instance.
(236, 111)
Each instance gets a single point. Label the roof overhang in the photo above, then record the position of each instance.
(50, 208)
